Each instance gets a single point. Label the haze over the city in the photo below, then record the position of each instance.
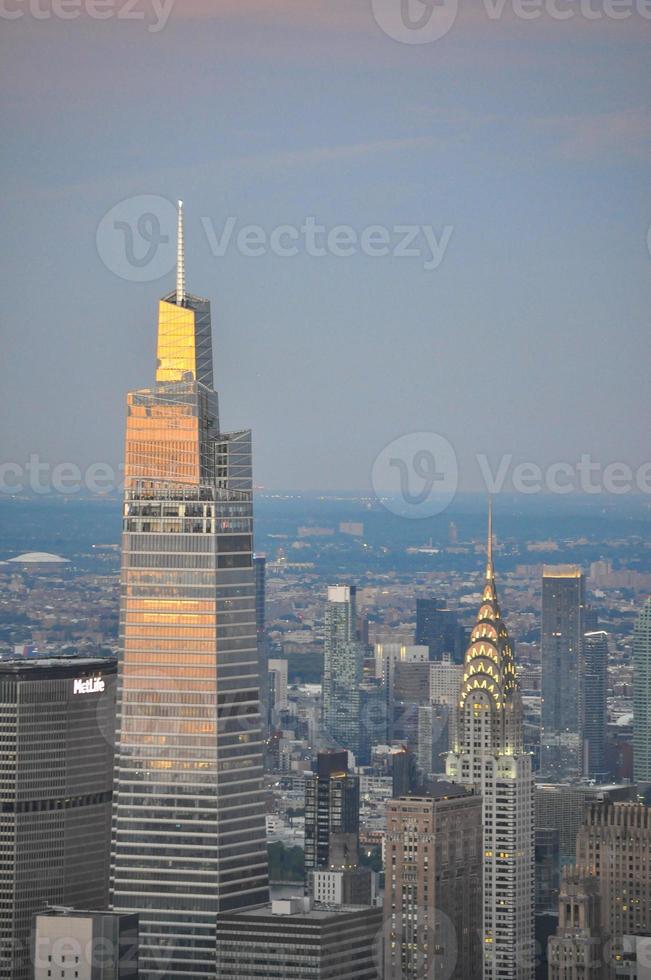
(522, 145)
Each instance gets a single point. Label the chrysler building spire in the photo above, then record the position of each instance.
(490, 569)
(489, 756)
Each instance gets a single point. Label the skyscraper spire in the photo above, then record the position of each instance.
(489, 755)
(180, 258)
(184, 350)
(489, 662)
(490, 568)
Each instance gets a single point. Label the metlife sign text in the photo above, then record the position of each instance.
(88, 685)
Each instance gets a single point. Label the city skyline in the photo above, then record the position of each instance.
(325, 616)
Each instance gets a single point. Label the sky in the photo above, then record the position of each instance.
(509, 157)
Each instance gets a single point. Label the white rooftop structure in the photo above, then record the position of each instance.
(39, 558)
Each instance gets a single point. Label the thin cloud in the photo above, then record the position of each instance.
(338, 14)
(488, 19)
(622, 133)
(281, 160)
(328, 154)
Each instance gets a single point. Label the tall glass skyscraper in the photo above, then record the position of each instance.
(642, 697)
(563, 610)
(593, 713)
(489, 755)
(188, 819)
(343, 669)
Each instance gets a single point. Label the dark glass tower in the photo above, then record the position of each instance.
(439, 629)
(593, 705)
(188, 819)
(56, 781)
(563, 607)
(331, 807)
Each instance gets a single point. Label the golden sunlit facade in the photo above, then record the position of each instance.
(489, 755)
(189, 829)
(184, 349)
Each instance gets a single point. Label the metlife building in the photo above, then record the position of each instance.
(57, 721)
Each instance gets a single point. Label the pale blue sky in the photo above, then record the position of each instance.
(531, 139)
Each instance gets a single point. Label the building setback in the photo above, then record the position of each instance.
(74, 945)
(576, 951)
(564, 806)
(433, 890)
(283, 940)
(56, 779)
(635, 962)
(344, 882)
(615, 844)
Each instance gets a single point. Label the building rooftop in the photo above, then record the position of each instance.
(439, 790)
(321, 913)
(562, 571)
(39, 558)
(61, 666)
(62, 910)
(582, 785)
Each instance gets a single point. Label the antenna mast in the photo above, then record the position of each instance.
(180, 258)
